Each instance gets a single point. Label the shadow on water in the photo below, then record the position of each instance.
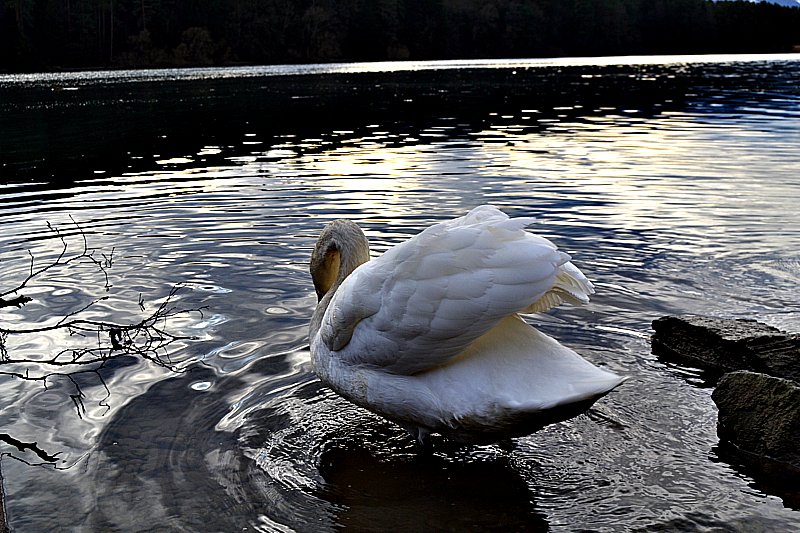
(380, 490)
(165, 452)
(155, 437)
(770, 477)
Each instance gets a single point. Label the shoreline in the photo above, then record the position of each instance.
(337, 66)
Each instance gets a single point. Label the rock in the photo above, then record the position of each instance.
(760, 414)
(758, 396)
(724, 345)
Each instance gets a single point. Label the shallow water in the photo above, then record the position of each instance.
(673, 183)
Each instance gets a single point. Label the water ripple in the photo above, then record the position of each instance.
(672, 183)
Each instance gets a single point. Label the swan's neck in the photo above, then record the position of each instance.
(340, 249)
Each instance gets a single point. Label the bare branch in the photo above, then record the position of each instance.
(17, 301)
(32, 446)
(34, 273)
(147, 339)
(86, 255)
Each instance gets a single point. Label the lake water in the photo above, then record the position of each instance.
(674, 182)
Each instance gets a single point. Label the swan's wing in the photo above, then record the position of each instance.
(497, 372)
(425, 300)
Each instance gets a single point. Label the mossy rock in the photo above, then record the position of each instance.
(760, 414)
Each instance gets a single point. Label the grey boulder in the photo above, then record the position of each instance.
(760, 414)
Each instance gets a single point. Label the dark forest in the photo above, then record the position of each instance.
(66, 34)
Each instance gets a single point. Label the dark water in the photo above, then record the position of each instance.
(673, 182)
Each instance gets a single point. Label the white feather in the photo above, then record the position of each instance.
(428, 334)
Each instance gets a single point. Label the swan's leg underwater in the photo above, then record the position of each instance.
(421, 435)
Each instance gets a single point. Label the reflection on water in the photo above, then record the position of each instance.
(387, 490)
(673, 183)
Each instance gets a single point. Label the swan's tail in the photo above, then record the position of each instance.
(570, 286)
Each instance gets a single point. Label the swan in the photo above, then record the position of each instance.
(428, 335)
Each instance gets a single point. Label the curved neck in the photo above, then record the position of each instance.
(340, 249)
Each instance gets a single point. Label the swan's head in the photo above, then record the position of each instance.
(340, 248)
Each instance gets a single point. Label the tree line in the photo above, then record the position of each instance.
(52, 34)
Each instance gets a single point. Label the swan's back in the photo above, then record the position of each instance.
(425, 300)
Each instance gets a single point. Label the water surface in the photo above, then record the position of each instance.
(671, 181)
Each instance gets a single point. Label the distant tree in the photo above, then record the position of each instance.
(100, 33)
(525, 29)
(321, 32)
(196, 47)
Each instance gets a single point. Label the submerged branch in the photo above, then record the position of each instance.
(86, 255)
(147, 339)
(17, 301)
(32, 446)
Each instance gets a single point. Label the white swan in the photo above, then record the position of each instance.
(427, 335)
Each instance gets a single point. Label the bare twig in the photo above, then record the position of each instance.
(60, 260)
(17, 301)
(148, 339)
(32, 446)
